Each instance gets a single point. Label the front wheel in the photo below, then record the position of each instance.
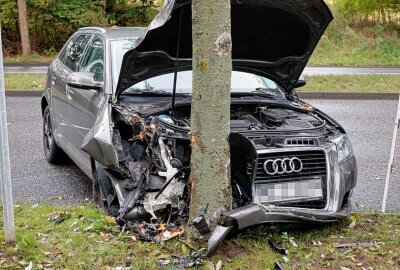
(53, 153)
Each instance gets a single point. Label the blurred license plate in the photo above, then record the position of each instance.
(306, 190)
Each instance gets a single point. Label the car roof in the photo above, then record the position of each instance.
(116, 32)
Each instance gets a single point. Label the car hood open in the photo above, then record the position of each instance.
(274, 38)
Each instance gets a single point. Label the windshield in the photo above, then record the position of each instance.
(241, 82)
(118, 50)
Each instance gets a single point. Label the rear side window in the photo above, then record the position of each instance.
(73, 53)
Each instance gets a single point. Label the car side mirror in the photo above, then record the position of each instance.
(300, 83)
(84, 80)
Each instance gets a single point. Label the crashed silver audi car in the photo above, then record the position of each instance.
(112, 106)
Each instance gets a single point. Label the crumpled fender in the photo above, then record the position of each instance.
(98, 142)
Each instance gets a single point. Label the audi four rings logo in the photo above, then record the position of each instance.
(282, 166)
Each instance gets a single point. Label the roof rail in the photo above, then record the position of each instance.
(94, 28)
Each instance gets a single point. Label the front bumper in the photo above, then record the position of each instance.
(341, 179)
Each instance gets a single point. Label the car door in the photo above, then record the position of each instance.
(83, 104)
(68, 62)
(59, 73)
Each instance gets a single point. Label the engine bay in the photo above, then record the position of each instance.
(152, 181)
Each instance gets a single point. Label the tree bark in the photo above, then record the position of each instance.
(23, 28)
(210, 115)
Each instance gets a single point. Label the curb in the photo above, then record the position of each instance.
(351, 96)
(23, 93)
(32, 64)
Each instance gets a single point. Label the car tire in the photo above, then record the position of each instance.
(53, 153)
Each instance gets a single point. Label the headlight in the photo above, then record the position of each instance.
(345, 150)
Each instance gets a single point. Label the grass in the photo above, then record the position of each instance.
(345, 46)
(87, 240)
(349, 42)
(352, 83)
(34, 58)
(24, 81)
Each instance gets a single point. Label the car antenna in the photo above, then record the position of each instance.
(176, 65)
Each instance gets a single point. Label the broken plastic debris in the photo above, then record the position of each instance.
(278, 249)
(218, 266)
(278, 266)
(316, 243)
(286, 260)
(200, 223)
(293, 243)
(349, 245)
(352, 224)
(155, 232)
(195, 258)
(29, 267)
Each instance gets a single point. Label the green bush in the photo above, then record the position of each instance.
(365, 11)
(51, 22)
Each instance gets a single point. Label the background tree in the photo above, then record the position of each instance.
(23, 28)
(52, 22)
(210, 117)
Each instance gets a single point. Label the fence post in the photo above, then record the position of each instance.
(391, 159)
(5, 175)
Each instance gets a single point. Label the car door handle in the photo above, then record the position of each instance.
(69, 93)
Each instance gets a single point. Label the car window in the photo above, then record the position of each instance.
(75, 52)
(241, 82)
(93, 61)
(66, 48)
(118, 50)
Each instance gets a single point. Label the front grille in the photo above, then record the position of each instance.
(300, 141)
(314, 165)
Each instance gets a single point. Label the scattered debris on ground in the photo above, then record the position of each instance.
(88, 237)
(350, 245)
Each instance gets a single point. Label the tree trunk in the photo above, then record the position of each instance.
(104, 7)
(23, 28)
(210, 116)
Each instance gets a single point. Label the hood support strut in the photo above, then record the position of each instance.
(176, 65)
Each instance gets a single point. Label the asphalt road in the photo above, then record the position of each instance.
(27, 68)
(35, 180)
(310, 71)
(369, 125)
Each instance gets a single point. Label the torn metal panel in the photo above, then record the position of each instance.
(98, 142)
(170, 196)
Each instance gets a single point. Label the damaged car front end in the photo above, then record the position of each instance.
(290, 162)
